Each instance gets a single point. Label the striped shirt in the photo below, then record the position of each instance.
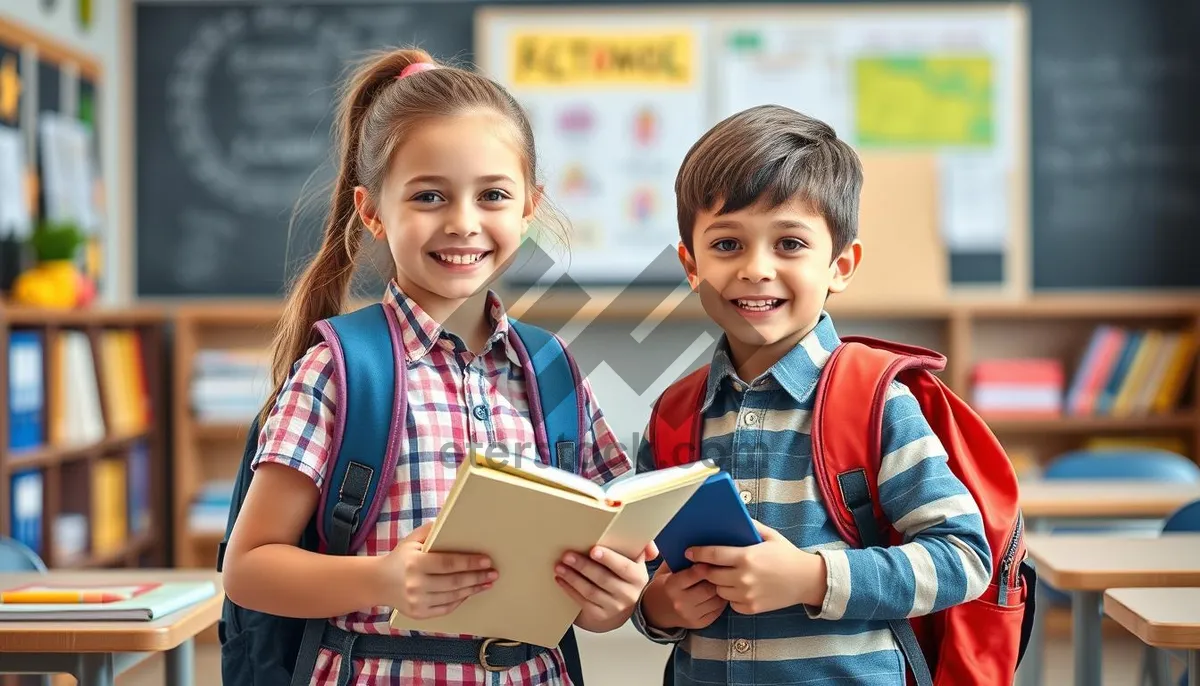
(455, 398)
(759, 432)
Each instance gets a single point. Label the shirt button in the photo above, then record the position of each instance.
(751, 419)
(745, 496)
(741, 645)
(481, 412)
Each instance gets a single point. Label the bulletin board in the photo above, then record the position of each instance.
(49, 165)
(932, 97)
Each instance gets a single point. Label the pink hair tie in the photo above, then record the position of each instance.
(416, 67)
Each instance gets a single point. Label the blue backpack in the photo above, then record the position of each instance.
(259, 648)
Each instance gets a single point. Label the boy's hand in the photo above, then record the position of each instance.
(606, 586)
(768, 576)
(422, 585)
(683, 600)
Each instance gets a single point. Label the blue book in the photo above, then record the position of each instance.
(714, 515)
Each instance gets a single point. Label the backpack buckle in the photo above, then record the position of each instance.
(483, 649)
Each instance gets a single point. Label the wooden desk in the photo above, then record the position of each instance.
(1087, 565)
(95, 652)
(1102, 499)
(1161, 617)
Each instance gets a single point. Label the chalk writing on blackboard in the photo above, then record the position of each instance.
(260, 78)
(1104, 110)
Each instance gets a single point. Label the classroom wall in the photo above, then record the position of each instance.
(101, 40)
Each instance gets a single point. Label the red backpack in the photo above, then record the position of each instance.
(979, 643)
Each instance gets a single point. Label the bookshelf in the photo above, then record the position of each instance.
(208, 450)
(208, 445)
(82, 448)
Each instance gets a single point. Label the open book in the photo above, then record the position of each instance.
(525, 515)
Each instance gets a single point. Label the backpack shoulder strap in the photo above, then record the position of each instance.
(553, 380)
(676, 426)
(559, 420)
(847, 435)
(371, 406)
(852, 392)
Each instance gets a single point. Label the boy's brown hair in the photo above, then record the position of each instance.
(771, 154)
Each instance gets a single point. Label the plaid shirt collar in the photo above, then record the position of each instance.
(419, 332)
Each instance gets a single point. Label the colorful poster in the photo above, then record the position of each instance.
(894, 81)
(613, 112)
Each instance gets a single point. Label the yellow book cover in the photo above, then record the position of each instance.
(1175, 380)
(135, 380)
(1157, 372)
(1148, 349)
(525, 515)
(108, 520)
(111, 381)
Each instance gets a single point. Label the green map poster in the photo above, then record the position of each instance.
(924, 100)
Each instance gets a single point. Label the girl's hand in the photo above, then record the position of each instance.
(422, 585)
(606, 586)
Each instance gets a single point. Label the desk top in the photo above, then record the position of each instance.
(1095, 562)
(1161, 617)
(112, 636)
(1071, 498)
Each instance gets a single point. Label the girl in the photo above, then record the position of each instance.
(440, 163)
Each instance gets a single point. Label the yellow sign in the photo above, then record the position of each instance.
(600, 59)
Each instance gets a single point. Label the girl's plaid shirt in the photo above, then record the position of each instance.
(456, 399)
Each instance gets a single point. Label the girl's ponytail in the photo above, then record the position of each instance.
(321, 290)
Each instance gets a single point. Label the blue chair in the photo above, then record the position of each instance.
(15, 556)
(1185, 519)
(1140, 464)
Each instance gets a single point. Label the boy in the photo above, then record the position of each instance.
(768, 211)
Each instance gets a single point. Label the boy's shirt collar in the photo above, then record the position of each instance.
(419, 332)
(797, 372)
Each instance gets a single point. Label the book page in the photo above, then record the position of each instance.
(540, 472)
(648, 484)
(641, 520)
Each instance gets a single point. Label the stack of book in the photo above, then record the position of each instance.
(1031, 387)
(230, 385)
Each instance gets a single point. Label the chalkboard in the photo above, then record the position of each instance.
(235, 106)
(1116, 148)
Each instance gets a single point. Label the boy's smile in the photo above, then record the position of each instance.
(763, 275)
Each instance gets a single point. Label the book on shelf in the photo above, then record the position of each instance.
(126, 387)
(26, 392)
(209, 509)
(229, 385)
(525, 516)
(25, 516)
(1128, 372)
(59, 403)
(109, 520)
(73, 392)
(1021, 387)
(70, 602)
